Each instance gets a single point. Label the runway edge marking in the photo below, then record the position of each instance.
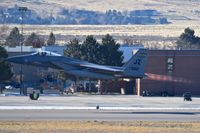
(89, 108)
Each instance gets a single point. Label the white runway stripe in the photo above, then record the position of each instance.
(90, 108)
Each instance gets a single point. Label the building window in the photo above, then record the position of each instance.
(170, 65)
(170, 60)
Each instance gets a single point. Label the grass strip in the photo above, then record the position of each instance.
(98, 127)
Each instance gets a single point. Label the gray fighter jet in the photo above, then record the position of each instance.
(134, 68)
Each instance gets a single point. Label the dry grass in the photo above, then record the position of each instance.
(98, 127)
(169, 30)
(152, 36)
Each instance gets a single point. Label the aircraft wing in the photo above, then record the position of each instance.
(86, 66)
(100, 67)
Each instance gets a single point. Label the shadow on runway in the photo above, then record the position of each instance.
(150, 113)
(176, 113)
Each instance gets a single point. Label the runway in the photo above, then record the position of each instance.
(112, 108)
(98, 115)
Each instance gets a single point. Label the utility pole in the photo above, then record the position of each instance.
(22, 10)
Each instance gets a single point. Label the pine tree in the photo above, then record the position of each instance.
(90, 50)
(110, 52)
(73, 49)
(35, 41)
(51, 40)
(188, 40)
(14, 39)
(5, 67)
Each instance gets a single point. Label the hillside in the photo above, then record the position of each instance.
(174, 10)
(180, 14)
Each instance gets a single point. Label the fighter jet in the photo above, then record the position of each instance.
(134, 68)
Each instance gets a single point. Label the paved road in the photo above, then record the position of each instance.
(113, 108)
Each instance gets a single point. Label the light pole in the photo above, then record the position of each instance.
(22, 10)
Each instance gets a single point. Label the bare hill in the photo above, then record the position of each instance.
(175, 10)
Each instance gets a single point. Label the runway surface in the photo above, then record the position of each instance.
(99, 115)
(112, 108)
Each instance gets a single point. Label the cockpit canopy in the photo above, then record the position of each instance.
(46, 53)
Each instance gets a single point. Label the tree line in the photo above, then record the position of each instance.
(15, 39)
(105, 53)
(187, 40)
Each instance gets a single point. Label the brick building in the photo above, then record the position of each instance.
(172, 71)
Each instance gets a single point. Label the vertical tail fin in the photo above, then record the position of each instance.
(135, 66)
